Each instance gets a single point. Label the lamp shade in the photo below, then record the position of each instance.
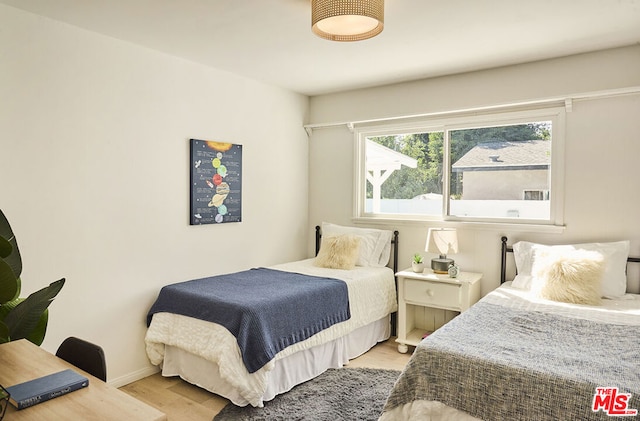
(347, 20)
(442, 241)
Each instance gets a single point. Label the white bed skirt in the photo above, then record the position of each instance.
(288, 371)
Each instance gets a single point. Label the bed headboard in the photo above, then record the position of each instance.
(394, 266)
(394, 243)
(504, 249)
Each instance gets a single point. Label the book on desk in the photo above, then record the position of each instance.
(42, 389)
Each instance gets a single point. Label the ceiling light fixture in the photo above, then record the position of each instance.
(347, 20)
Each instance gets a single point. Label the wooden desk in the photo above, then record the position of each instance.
(21, 361)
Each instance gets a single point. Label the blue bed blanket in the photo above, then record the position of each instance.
(266, 310)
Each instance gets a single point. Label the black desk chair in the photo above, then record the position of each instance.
(84, 355)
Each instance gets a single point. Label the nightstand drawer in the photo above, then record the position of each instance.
(432, 293)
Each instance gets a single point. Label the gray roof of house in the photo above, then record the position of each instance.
(492, 156)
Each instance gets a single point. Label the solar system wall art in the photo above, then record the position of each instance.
(216, 182)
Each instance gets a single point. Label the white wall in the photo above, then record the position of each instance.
(94, 167)
(602, 170)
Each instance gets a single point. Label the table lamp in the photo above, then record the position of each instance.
(442, 241)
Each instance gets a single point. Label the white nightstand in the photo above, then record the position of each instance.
(427, 301)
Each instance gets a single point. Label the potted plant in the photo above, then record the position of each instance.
(20, 317)
(418, 263)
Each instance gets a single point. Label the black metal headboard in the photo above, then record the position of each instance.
(394, 242)
(503, 259)
(504, 249)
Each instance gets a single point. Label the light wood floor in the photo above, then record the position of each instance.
(183, 401)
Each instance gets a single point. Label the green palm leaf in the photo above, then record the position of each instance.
(26, 316)
(20, 317)
(9, 285)
(9, 246)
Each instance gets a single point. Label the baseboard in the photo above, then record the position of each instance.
(132, 377)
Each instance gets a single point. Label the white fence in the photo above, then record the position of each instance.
(525, 209)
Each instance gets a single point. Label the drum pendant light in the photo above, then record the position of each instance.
(347, 20)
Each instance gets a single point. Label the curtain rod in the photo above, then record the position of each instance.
(567, 100)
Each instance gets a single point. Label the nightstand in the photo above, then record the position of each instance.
(427, 300)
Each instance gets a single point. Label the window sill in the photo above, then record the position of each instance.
(490, 226)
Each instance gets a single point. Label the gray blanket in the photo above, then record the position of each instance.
(498, 363)
(266, 310)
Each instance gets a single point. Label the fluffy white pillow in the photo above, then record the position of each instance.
(615, 254)
(570, 276)
(375, 245)
(338, 252)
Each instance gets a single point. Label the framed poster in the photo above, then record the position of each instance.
(216, 182)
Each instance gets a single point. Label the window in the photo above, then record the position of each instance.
(492, 168)
(535, 195)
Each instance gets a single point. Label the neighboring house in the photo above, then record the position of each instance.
(505, 171)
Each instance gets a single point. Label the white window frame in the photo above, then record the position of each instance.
(461, 121)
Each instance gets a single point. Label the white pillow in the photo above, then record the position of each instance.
(375, 245)
(385, 238)
(570, 276)
(615, 254)
(522, 281)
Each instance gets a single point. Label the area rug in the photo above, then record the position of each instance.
(337, 394)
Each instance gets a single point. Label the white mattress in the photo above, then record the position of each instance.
(372, 297)
(620, 311)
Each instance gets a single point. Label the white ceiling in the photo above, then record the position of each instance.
(271, 40)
